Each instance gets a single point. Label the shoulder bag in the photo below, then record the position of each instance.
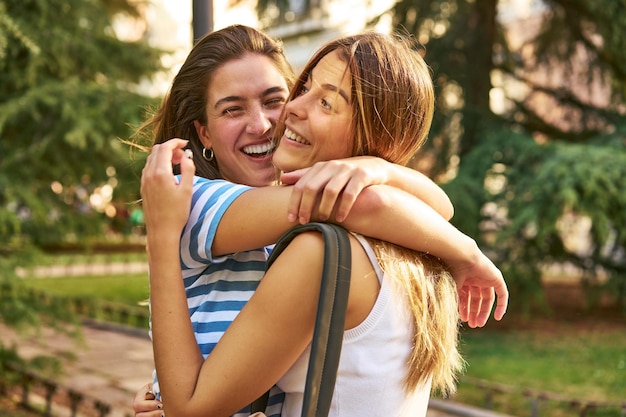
(329, 321)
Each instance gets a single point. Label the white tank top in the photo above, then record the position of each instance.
(373, 363)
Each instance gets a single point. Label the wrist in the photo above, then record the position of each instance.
(466, 252)
(163, 243)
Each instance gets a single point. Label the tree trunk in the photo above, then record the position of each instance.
(479, 50)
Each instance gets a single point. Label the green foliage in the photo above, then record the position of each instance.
(21, 308)
(459, 38)
(572, 68)
(523, 201)
(68, 94)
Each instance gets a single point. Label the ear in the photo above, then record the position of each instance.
(203, 134)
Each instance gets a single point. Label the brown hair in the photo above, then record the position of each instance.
(187, 97)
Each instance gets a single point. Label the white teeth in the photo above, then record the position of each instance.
(263, 148)
(293, 136)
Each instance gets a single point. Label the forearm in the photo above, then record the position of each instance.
(177, 356)
(389, 214)
(422, 187)
(240, 230)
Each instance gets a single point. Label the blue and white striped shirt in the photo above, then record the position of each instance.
(217, 288)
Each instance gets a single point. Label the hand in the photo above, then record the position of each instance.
(332, 185)
(166, 202)
(145, 405)
(478, 285)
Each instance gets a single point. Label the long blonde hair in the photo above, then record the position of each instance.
(393, 105)
(431, 295)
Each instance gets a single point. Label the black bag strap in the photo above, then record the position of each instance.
(330, 318)
(260, 404)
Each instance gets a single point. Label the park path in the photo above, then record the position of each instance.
(106, 365)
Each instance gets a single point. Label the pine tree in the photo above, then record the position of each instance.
(553, 151)
(68, 94)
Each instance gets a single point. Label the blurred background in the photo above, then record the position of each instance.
(529, 142)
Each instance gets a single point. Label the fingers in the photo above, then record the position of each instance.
(141, 394)
(475, 304)
(347, 197)
(327, 187)
(170, 152)
(503, 300)
(306, 194)
(290, 178)
(149, 395)
(463, 304)
(161, 191)
(187, 169)
(159, 163)
(481, 285)
(152, 413)
(145, 404)
(487, 299)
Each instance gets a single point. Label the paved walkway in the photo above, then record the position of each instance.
(111, 366)
(106, 365)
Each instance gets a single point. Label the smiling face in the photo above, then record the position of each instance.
(319, 119)
(245, 98)
(367, 94)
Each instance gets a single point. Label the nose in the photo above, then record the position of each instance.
(259, 123)
(295, 108)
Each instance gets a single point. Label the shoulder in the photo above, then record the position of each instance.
(304, 253)
(205, 184)
(309, 244)
(307, 249)
(207, 192)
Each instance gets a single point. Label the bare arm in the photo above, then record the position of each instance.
(339, 182)
(478, 280)
(145, 404)
(260, 216)
(261, 344)
(256, 218)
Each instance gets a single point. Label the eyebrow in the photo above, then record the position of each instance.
(230, 99)
(337, 90)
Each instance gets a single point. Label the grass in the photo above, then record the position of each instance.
(592, 362)
(566, 362)
(128, 289)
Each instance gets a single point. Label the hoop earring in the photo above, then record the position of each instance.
(211, 154)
